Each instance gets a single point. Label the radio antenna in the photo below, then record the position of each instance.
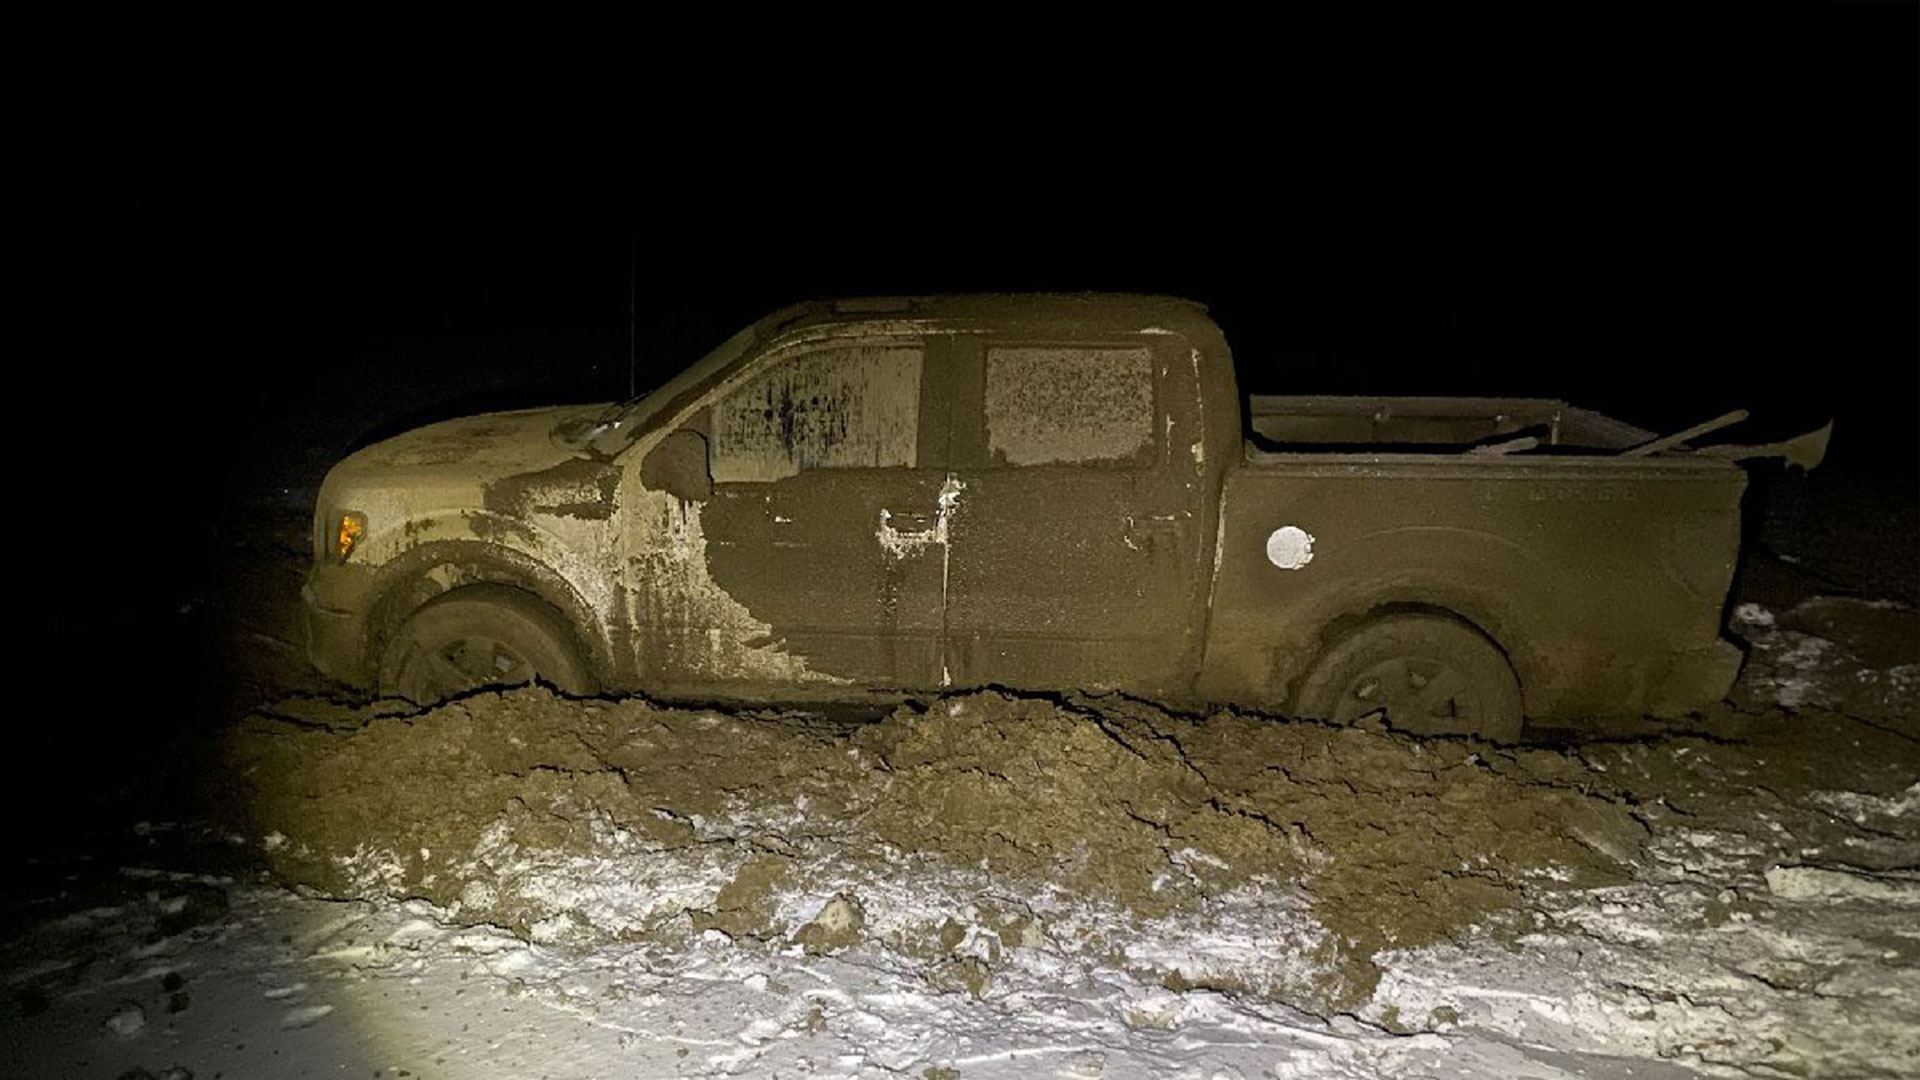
(632, 377)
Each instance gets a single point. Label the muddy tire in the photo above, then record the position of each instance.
(482, 636)
(1426, 674)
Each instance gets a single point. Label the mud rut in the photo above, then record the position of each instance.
(977, 835)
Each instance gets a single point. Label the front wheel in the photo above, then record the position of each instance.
(482, 636)
(1426, 674)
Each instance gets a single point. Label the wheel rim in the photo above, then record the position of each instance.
(1413, 692)
(468, 663)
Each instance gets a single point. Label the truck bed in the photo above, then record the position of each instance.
(1296, 424)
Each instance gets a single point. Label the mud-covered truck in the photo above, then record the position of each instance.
(894, 498)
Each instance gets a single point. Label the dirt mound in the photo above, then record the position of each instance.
(1061, 827)
(1393, 841)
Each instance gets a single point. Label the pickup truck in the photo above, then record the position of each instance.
(891, 498)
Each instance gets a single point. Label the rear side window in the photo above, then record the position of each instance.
(1047, 404)
(845, 407)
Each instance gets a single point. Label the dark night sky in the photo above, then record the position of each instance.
(257, 241)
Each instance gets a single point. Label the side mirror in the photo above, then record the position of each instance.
(678, 466)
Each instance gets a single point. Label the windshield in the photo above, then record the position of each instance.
(641, 413)
(619, 425)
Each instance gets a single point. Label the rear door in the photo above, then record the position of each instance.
(1076, 542)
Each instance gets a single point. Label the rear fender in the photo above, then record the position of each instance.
(1411, 594)
(1461, 573)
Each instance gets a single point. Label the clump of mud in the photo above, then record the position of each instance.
(962, 836)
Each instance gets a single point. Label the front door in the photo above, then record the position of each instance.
(827, 468)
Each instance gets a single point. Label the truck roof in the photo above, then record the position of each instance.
(1137, 309)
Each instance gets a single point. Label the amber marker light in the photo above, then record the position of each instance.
(347, 534)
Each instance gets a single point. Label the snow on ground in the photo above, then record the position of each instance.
(1801, 971)
(1736, 902)
(307, 988)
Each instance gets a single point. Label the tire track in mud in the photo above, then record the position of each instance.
(1267, 858)
(1731, 897)
(1735, 898)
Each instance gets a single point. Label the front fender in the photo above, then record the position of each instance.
(366, 605)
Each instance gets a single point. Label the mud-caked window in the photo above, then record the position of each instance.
(1069, 404)
(845, 407)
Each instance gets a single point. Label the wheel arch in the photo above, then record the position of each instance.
(1348, 623)
(440, 568)
(1428, 670)
(1477, 610)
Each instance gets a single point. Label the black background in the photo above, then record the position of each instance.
(246, 245)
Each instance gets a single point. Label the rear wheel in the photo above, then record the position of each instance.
(482, 636)
(1426, 674)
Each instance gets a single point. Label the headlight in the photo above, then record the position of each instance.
(348, 528)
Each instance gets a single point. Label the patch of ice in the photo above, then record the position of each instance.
(126, 1021)
(372, 871)
(1860, 807)
(304, 1016)
(1817, 883)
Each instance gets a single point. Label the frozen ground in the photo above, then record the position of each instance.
(987, 887)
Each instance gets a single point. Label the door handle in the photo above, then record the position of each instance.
(1147, 533)
(910, 533)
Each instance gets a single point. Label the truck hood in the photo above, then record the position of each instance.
(512, 467)
(469, 464)
(478, 448)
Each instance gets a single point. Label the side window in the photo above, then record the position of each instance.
(843, 407)
(1069, 404)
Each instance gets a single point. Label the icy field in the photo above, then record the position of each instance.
(522, 886)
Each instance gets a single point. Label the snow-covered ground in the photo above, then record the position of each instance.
(1741, 900)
